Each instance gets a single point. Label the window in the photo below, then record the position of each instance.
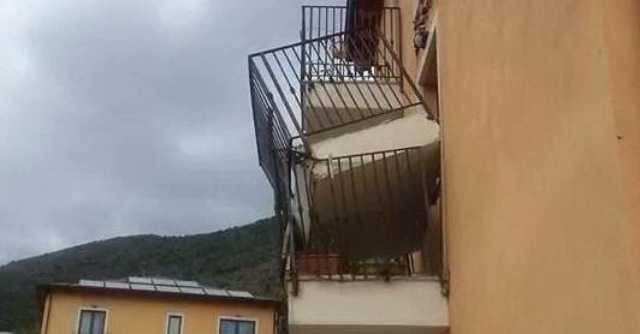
(174, 324)
(233, 326)
(91, 322)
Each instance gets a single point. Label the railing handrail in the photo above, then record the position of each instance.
(292, 45)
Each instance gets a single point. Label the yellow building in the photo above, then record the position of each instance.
(152, 306)
(457, 166)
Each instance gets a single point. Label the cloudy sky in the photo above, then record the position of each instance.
(124, 117)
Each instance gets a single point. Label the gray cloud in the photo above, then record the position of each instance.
(120, 117)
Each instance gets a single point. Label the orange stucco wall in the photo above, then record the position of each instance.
(145, 315)
(622, 33)
(541, 234)
(539, 104)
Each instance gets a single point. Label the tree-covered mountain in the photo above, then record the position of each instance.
(243, 258)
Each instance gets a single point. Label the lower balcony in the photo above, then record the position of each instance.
(388, 195)
(329, 293)
(400, 304)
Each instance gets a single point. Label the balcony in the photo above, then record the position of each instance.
(404, 305)
(367, 257)
(353, 154)
(385, 193)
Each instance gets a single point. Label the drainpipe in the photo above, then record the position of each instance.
(44, 329)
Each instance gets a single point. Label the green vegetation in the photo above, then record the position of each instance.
(243, 258)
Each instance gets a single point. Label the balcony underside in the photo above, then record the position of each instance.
(402, 305)
(337, 107)
(408, 128)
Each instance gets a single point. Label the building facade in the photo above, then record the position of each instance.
(461, 166)
(152, 306)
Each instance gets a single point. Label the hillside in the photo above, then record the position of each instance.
(241, 257)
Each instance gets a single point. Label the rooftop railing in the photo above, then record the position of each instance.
(321, 21)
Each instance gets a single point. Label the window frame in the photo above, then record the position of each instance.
(255, 321)
(177, 315)
(92, 309)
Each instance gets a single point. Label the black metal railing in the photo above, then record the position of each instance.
(333, 266)
(273, 138)
(329, 82)
(344, 71)
(320, 21)
(382, 192)
(366, 213)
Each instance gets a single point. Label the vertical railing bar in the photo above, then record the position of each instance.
(414, 88)
(322, 84)
(381, 202)
(253, 93)
(398, 45)
(342, 78)
(333, 23)
(303, 87)
(367, 85)
(384, 32)
(300, 210)
(364, 182)
(301, 103)
(279, 89)
(337, 209)
(326, 31)
(265, 97)
(389, 188)
(303, 106)
(286, 77)
(355, 83)
(355, 103)
(400, 183)
(311, 23)
(416, 185)
(344, 103)
(392, 65)
(344, 28)
(319, 19)
(374, 41)
(345, 205)
(315, 115)
(344, 236)
(268, 106)
(311, 209)
(354, 192)
(293, 69)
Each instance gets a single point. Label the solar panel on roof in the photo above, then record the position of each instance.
(216, 292)
(190, 284)
(242, 294)
(95, 284)
(143, 287)
(194, 291)
(163, 281)
(140, 280)
(164, 288)
(117, 285)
